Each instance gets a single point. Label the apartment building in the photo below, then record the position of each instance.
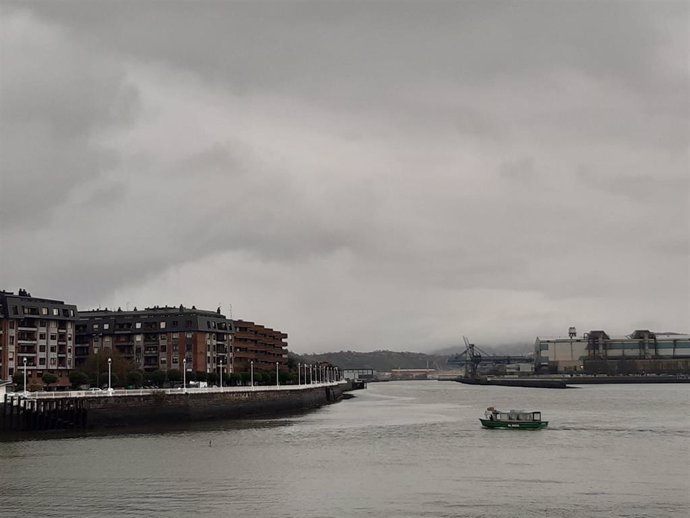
(158, 338)
(258, 344)
(37, 333)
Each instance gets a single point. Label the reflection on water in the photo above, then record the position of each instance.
(397, 449)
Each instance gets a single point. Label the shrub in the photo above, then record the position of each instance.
(135, 378)
(174, 375)
(49, 378)
(77, 378)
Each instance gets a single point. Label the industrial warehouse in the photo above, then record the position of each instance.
(641, 352)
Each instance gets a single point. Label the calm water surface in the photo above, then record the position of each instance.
(408, 449)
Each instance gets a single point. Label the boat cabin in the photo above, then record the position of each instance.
(512, 416)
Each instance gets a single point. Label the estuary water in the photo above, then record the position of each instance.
(398, 449)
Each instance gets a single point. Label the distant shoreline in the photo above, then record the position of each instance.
(568, 382)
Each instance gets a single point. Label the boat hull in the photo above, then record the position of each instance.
(524, 425)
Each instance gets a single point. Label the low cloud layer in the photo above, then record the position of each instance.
(358, 175)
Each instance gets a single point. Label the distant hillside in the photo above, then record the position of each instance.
(378, 360)
(510, 349)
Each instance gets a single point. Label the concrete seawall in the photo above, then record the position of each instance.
(158, 407)
(162, 407)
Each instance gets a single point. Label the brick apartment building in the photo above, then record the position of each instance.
(40, 331)
(261, 345)
(158, 338)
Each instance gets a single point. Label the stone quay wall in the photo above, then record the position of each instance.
(68, 411)
(160, 407)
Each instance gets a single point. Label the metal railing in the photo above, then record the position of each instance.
(180, 390)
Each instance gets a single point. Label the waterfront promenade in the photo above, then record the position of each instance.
(40, 411)
(55, 394)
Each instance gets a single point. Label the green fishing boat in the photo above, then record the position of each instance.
(518, 419)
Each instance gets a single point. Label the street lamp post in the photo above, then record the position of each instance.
(299, 374)
(110, 362)
(251, 363)
(184, 374)
(221, 373)
(277, 382)
(24, 361)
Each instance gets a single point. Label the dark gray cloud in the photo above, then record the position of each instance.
(359, 174)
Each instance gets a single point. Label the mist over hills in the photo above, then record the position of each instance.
(385, 360)
(378, 360)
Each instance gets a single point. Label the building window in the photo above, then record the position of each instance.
(175, 360)
(44, 311)
(163, 348)
(11, 340)
(106, 326)
(190, 335)
(175, 335)
(42, 348)
(137, 325)
(53, 337)
(41, 336)
(95, 327)
(56, 312)
(41, 361)
(162, 324)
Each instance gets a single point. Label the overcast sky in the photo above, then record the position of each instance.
(360, 175)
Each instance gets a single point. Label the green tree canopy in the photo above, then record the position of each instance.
(49, 378)
(135, 379)
(77, 378)
(158, 378)
(97, 364)
(18, 379)
(174, 375)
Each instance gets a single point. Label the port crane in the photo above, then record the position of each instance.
(470, 358)
(473, 356)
